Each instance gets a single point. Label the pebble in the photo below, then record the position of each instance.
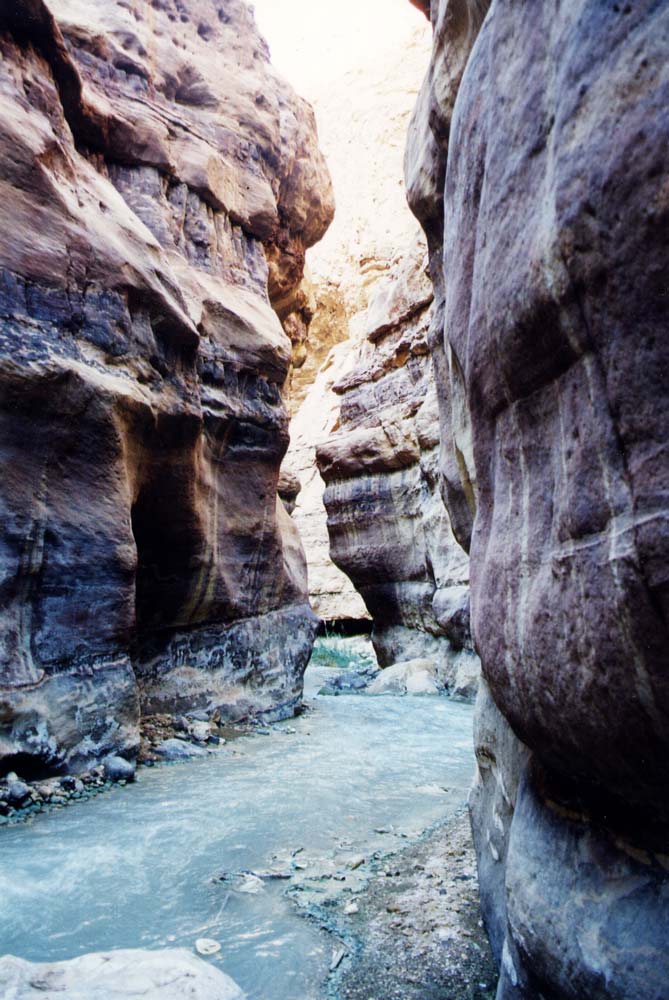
(251, 885)
(337, 957)
(355, 862)
(207, 946)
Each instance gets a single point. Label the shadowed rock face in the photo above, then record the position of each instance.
(552, 358)
(150, 163)
(388, 528)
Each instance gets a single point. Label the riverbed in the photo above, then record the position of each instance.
(165, 861)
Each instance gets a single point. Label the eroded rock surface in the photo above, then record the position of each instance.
(363, 112)
(536, 164)
(389, 530)
(147, 975)
(152, 164)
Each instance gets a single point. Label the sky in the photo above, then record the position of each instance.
(313, 41)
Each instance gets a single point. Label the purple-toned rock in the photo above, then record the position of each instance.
(536, 163)
(151, 165)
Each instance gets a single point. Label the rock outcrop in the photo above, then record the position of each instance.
(537, 164)
(389, 530)
(174, 974)
(156, 178)
(363, 113)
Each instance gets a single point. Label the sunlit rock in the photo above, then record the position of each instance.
(156, 174)
(117, 975)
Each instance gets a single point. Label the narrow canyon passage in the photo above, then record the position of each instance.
(334, 321)
(356, 777)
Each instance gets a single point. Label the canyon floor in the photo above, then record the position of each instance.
(352, 816)
(418, 931)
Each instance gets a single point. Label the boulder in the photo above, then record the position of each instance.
(18, 793)
(176, 749)
(408, 677)
(118, 769)
(174, 974)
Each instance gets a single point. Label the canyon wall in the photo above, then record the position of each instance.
(157, 178)
(365, 434)
(388, 528)
(363, 112)
(537, 165)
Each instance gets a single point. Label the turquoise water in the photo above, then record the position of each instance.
(139, 866)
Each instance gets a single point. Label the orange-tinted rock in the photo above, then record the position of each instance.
(389, 530)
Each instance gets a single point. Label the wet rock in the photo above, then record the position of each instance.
(338, 955)
(207, 946)
(176, 749)
(467, 668)
(250, 885)
(356, 861)
(18, 793)
(346, 683)
(200, 731)
(119, 769)
(150, 975)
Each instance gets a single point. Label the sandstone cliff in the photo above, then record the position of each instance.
(157, 177)
(363, 104)
(537, 165)
(389, 530)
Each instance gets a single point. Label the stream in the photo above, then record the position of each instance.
(160, 863)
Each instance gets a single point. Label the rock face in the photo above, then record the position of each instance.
(536, 164)
(146, 563)
(332, 594)
(146, 975)
(389, 530)
(363, 112)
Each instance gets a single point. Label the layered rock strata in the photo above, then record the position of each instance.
(156, 177)
(536, 163)
(389, 530)
(363, 108)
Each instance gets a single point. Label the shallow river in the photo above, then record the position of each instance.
(140, 866)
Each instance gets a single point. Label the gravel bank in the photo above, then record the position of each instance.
(418, 933)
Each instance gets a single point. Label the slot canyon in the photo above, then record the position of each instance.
(334, 420)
